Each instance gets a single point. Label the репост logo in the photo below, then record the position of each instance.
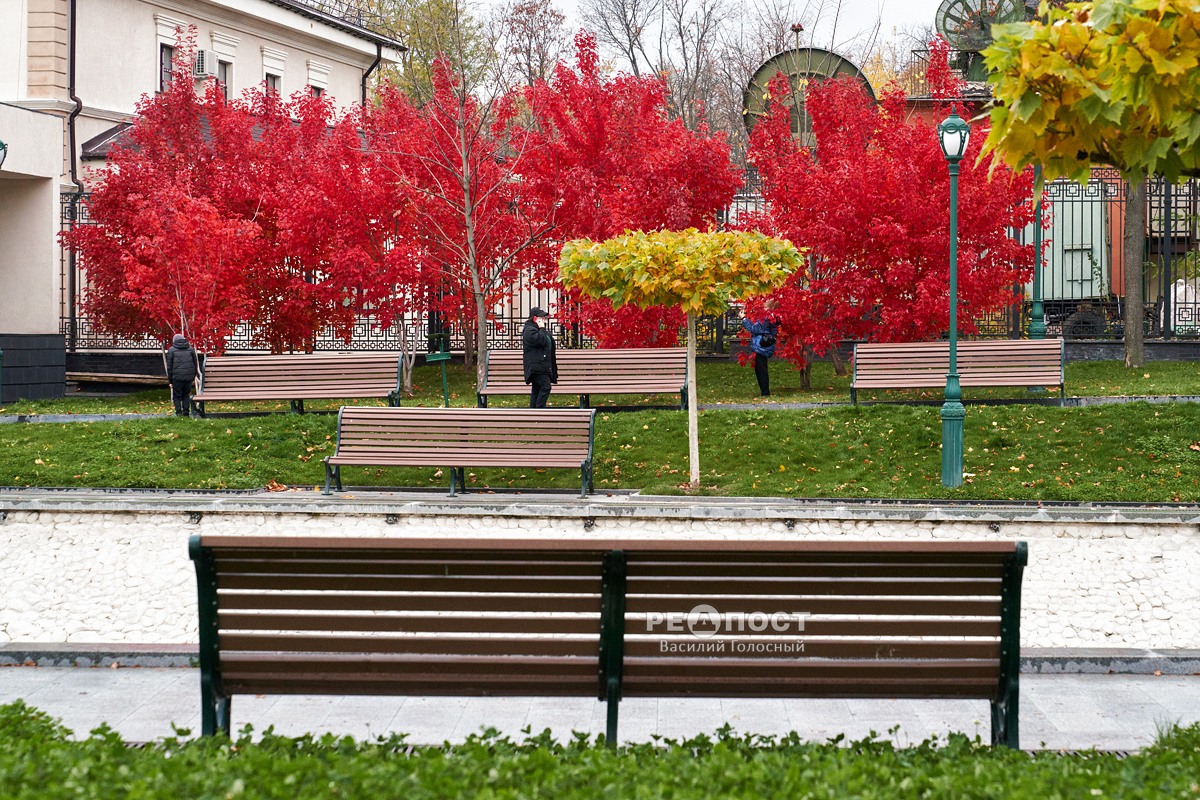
(704, 622)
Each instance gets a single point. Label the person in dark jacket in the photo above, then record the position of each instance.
(541, 366)
(762, 344)
(181, 372)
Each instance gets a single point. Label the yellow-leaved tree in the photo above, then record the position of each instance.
(1108, 82)
(696, 272)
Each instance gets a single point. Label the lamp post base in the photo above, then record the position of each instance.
(953, 420)
(1037, 321)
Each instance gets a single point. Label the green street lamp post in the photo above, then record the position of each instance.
(953, 134)
(1037, 313)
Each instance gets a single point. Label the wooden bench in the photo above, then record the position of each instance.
(657, 370)
(456, 438)
(299, 377)
(610, 619)
(919, 365)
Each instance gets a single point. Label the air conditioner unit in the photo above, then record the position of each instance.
(206, 64)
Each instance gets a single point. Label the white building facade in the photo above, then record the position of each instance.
(71, 74)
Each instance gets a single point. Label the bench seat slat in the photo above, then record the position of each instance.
(333, 566)
(432, 685)
(832, 604)
(815, 586)
(416, 602)
(427, 623)
(517, 567)
(463, 663)
(401, 583)
(646, 652)
(445, 645)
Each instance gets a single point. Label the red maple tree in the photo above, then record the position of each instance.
(452, 167)
(163, 255)
(605, 153)
(212, 214)
(871, 204)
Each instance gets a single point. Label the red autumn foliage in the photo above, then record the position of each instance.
(259, 211)
(469, 224)
(606, 154)
(871, 204)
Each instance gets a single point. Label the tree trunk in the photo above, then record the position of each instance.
(408, 357)
(1133, 249)
(480, 341)
(839, 364)
(693, 412)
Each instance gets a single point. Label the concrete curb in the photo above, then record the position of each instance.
(1040, 661)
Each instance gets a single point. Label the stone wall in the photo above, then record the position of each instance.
(112, 571)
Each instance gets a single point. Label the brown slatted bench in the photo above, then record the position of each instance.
(610, 619)
(920, 365)
(456, 438)
(654, 370)
(299, 377)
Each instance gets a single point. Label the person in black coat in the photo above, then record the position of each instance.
(541, 366)
(181, 372)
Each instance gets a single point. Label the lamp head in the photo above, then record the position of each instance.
(953, 135)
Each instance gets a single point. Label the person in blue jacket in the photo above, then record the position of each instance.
(762, 344)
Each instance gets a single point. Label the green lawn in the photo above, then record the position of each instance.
(1130, 452)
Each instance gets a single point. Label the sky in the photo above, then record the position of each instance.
(855, 15)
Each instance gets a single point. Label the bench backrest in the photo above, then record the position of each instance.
(481, 437)
(609, 617)
(302, 376)
(980, 363)
(606, 371)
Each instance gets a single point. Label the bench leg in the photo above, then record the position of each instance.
(214, 708)
(853, 396)
(297, 406)
(199, 407)
(1005, 730)
(328, 478)
(457, 479)
(683, 399)
(481, 401)
(614, 706)
(585, 401)
(586, 478)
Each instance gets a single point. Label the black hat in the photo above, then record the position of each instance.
(539, 312)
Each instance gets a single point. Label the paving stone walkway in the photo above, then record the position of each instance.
(1058, 712)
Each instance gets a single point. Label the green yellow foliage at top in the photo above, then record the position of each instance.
(1112, 81)
(697, 272)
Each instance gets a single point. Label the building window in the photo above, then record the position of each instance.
(166, 66)
(225, 78)
(317, 91)
(272, 83)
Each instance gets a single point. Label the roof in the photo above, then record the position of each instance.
(343, 15)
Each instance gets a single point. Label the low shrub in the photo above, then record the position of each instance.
(39, 759)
